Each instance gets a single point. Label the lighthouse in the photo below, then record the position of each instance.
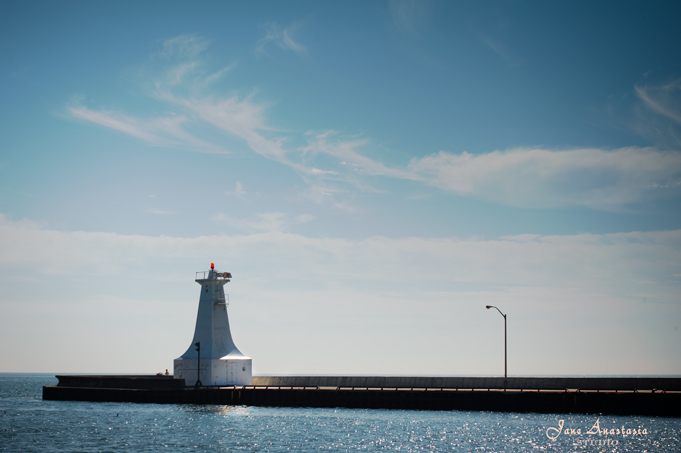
(219, 362)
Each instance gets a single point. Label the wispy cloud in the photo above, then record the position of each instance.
(238, 192)
(346, 152)
(165, 131)
(161, 212)
(183, 84)
(538, 178)
(183, 65)
(659, 118)
(263, 221)
(331, 164)
(663, 100)
(219, 74)
(184, 46)
(120, 122)
(410, 15)
(323, 193)
(500, 48)
(283, 38)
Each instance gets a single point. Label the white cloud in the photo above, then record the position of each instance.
(531, 178)
(663, 100)
(161, 212)
(283, 38)
(658, 118)
(168, 131)
(613, 263)
(264, 221)
(304, 218)
(219, 74)
(182, 86)
(584, 295)
(184, 46)
(241, 118)
(542, 178)
(119, 122)
(318, 191)
(238, 192)
(346, 152)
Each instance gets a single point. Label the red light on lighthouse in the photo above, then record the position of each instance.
(212, 266)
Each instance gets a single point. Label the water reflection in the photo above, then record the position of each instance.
(215, 409)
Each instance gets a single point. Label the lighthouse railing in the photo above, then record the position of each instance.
(203, 275)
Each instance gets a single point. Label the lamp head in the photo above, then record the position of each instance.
(488, 306)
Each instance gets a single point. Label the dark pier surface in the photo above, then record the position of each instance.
(658, 396)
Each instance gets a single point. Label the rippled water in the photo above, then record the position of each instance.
(27, 423)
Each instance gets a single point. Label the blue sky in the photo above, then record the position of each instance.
(372, 173)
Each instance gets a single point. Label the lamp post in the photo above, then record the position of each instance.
(505, 350)
(198, 366)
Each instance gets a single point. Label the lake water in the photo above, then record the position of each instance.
(27, 423)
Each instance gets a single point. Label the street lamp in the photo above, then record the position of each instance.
(505, 350)
(198, 366)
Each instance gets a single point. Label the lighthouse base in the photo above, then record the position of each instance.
(232, 371)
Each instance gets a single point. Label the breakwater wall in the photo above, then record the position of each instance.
(165, 390)
(472, 382)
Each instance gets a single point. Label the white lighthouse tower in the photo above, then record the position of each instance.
(220, 362)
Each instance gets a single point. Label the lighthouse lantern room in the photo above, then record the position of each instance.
(220, 362)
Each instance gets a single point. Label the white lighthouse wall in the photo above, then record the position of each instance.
(215, 372)
(239, 372)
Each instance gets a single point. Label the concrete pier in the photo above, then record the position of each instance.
(478, 383)
(626, 396)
